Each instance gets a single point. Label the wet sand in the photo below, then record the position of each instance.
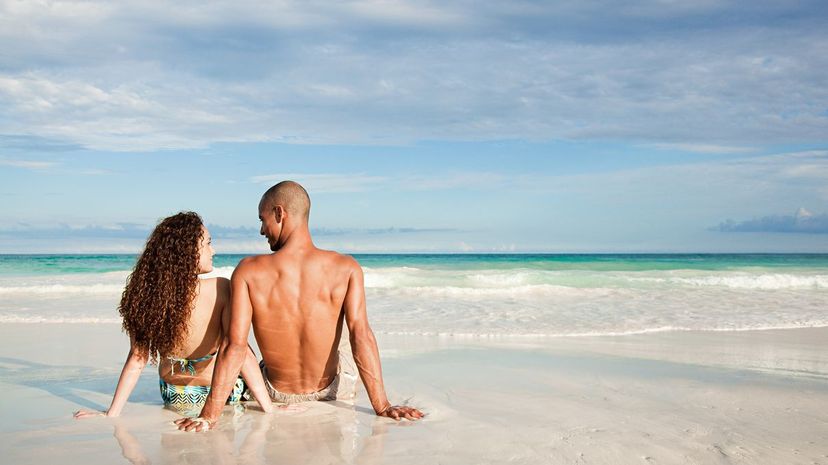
(758, 397)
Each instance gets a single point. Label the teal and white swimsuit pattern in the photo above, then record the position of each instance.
(194, 396)
(188, 397)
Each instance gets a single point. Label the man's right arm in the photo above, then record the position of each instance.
(366, 353)
(231, 354)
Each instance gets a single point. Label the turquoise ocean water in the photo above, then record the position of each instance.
(11, 265)
(490, 295)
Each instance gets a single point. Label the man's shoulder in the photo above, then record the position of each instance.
(341, 261)
(250, 264)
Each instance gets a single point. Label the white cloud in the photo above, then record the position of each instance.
(704, 148)
(130, 76)
(327, 183)
(114, 117)
(407, 12)
(28, 164)
(749, 173)
(803, 222)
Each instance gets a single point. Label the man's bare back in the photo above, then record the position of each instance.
(297, 300)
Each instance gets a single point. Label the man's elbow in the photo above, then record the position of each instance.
(361, 333)
(231, 348)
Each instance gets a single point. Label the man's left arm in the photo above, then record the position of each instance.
(230, 357)
(365, 351)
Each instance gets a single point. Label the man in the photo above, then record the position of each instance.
(297, 299)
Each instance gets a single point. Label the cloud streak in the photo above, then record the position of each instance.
(704, 148)
(801, 223)
(331, 183)
(806, 169)
(28, 164)
(712, 76)
(128, 231)
(646, 208)
(326, 183)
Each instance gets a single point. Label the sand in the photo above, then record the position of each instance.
(758, 397)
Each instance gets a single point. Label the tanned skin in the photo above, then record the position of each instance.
(209, 319)
(297, 300)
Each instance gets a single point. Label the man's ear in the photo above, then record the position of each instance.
(279, 212)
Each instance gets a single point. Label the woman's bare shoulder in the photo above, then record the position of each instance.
(214, 289)
(216, 282)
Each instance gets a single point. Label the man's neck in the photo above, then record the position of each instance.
(296, 238)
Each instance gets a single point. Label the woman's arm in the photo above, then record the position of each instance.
(133, 366)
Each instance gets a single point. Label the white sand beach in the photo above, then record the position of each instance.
(752, 397)
(581, 232)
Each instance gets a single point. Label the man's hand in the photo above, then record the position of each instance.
(195, 424)
(398, 412)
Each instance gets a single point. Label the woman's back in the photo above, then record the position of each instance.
(203, 337)
(174, 317)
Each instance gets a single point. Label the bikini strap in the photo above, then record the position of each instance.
(187, 365)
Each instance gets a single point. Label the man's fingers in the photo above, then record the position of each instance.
(399, 412)
(194, 424)
(413, 414)
(186, 424)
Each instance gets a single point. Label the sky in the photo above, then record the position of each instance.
(419, 126)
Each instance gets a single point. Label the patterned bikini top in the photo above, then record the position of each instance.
(186, 364)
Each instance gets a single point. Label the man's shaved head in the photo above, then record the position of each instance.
(291, 196)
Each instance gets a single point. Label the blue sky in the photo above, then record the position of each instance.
(583, 126)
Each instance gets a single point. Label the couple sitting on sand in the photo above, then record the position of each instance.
(296, 298)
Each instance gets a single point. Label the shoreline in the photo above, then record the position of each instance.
(721, 348)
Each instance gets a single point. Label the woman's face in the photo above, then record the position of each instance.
(205, 252)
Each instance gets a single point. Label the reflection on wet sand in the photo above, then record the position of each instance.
(130, 448)
(333, 432)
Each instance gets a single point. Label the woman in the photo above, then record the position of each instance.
(176, 320)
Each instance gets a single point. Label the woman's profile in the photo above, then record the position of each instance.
(177, 320)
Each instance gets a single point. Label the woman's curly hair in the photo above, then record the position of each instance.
(160, 293)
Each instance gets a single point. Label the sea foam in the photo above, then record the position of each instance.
(763, 281)
(516, 300)
(58, 290)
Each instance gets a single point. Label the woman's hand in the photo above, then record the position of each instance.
(88, 414)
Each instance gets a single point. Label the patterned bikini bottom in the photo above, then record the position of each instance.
(186, 398)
